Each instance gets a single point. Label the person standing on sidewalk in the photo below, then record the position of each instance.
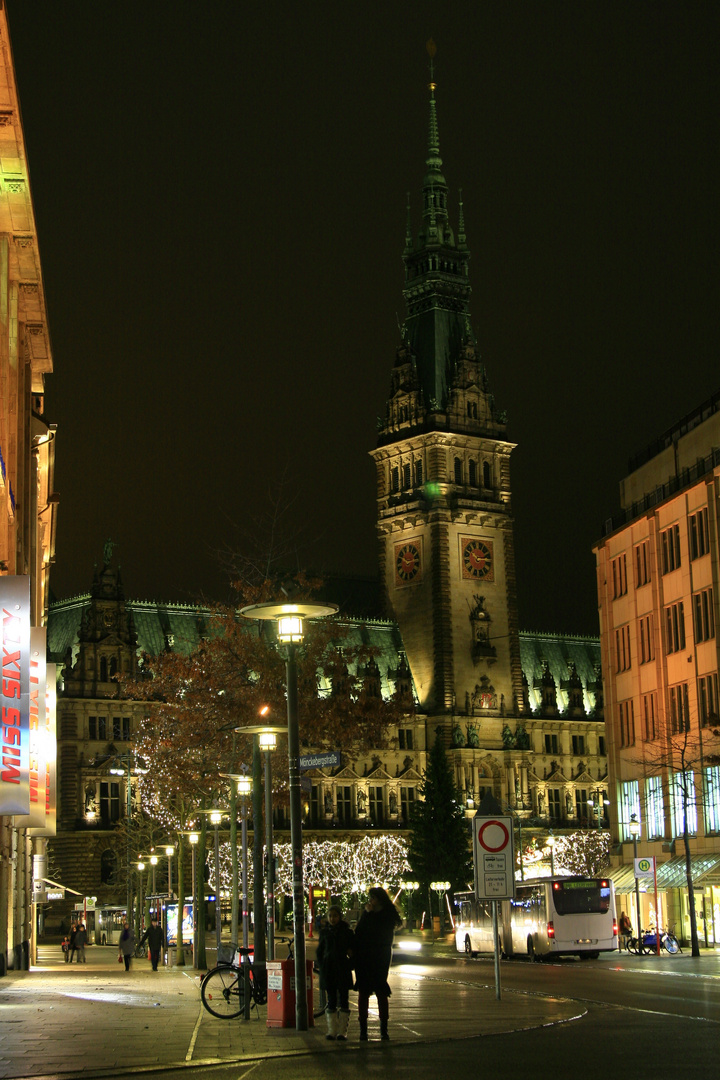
(155, 937)
(334, 960)
(373, 953)
(80, 942)
(71, 944)
(126, 945)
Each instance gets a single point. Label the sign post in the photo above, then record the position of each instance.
(494, 861)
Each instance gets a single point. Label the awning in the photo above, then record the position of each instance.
(671, 874)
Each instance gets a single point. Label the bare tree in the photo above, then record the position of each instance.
(681, 753)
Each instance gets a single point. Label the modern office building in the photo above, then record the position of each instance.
(27, 459)
(658, 565)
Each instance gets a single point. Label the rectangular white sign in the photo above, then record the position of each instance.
(494, 858)
(15, 695)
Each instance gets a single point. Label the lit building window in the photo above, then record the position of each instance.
(655, 816)
(699, 535)
(711, 798)
(629, 805)
(682, 802)
(670, 545)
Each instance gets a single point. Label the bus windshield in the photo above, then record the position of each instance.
(581, 897)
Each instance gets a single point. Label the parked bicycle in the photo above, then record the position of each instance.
(647, 942)
(222, 989)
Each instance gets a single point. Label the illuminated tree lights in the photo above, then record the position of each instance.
(342, 866)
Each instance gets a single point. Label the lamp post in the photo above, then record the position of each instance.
(289, 618)
(215, 819)
(440, 888)
(244, 790)
(139, 913)
(170, 851)
(410, 887)
(267, 743)
(635, 830)
(193, 837)
(126, 771)
(551, 845)
(600, 801)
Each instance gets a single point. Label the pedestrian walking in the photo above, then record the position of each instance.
(625, 928)
(372, 954)
(334, 957)
(80, 942)
(126, 944)
(71, 944)
(155, 937)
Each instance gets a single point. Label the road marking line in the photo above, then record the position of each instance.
(196, 1032)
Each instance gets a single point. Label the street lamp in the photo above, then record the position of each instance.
(170, 851)
(244, 790)
(635, 830)
(126, 770)
(440, 888)
(410, 888)
(267, 743)
(289, 618)
(551, 844)
(601, 801)
(193, 838)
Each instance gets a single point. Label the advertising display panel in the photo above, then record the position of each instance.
(15, 695)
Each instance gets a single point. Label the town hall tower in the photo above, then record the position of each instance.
(443, 483)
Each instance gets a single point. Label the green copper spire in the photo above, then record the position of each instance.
(437, 289)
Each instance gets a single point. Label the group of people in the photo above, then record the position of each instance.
(75, 943)
(154, 936)
(366, 951)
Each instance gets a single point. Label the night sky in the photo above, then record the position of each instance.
(219, 190)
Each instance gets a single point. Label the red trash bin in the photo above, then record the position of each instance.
(281, 993)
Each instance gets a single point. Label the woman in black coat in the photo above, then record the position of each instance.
(373, 953)
(334, 952)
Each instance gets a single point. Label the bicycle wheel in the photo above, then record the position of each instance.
(671, 943)
(222, 993)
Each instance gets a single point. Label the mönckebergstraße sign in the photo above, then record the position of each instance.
(325, 760)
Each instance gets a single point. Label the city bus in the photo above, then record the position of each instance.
(558, 916)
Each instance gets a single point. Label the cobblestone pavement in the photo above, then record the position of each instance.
(95, 1018)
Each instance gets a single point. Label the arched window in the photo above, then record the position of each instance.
(103, 669)
(473, 474)
(418, 473)
(487, 480)
(113, 666)
(395, 478)
(458, 471)
(407, 476)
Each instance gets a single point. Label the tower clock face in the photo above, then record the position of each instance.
(407, 562)
(477, 559)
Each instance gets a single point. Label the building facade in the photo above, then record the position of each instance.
(545, 770)
(27, 458)
(658, 565)
(446, 549)
(521, 714)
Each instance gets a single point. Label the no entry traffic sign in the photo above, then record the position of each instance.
(494, 858)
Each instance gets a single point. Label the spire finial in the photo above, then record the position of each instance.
(408, 227)
(461, 221)
(431, 50)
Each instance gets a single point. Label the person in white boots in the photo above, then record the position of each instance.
(334, 959)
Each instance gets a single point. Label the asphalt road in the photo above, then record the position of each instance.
(642, 1017)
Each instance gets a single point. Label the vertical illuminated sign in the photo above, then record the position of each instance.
(38, 729)
(51, 747)
(15, 695)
